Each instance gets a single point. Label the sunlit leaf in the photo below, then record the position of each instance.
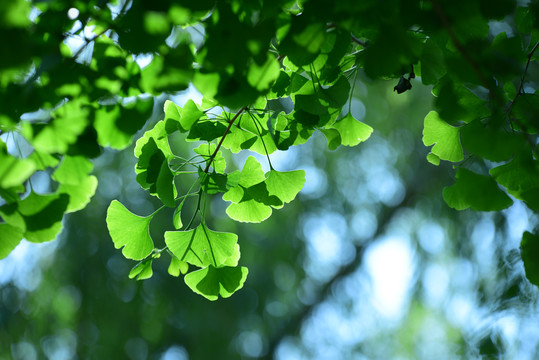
(444, 137)
(352, 131)
(129, 231)
(285, 184)
(261, 77)
(143, 270)
(177, 266)
(116, 124)
(72, 170)
(211, 282)
(80, 194)
(154, 174)
(14, 171)
(10, 236)
(202, 246)
(39, 215)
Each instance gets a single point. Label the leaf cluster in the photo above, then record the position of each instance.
(271, 74)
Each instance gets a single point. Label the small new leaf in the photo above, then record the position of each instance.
(143, 270)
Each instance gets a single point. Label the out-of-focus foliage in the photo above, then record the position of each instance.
(81, 77)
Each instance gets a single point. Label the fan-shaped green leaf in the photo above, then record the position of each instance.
(252, 173)
(285, 184)
(154, 174)
(80, 194)
(40, 216)
(211, 282)
(160, 135)
(72, 170)
(250, 211)
(352, 131)
(177, 266)
(14, 171)
(475, 191)
(116, 125)
(444, 137)
(143, 270)
(10, 237)
(202, 246)
(129, 231)
(261, 77)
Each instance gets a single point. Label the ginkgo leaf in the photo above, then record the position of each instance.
(130, 231)
(352, 131)
(211, 282)
(444, 137)
(13, 171)
(433, 159)
(40, 216)
(475, 191)
(285, 184)
(252, 173)
(261, 77)
(143, 270)
(249, 211)
(116, 125)
(80, 194)
(529, 248)
(154, 174)
(202, 246)
(177, 266)
(10, 237)
(159, 135)
(72, 170)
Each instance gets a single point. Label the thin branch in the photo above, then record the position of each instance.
(458, 45)
(212, 157)
(520, 88)
(356, 40)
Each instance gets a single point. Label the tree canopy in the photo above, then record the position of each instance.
(84, 77)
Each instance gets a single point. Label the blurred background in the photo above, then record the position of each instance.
(367, 263)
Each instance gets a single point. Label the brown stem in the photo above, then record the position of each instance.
(212, 157)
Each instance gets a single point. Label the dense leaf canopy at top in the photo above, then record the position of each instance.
(280, 71)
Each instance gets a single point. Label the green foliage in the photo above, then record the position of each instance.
(279, 72)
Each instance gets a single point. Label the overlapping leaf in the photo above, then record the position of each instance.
(211, 282)
(202, 247)
(475, 191)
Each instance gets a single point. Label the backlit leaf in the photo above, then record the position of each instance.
(10, 236)
(177, 266)
(211, 282)
(129, 231)
(143, 270)
(444, 137)
(352, 131)
(202, 246)
(285, 185)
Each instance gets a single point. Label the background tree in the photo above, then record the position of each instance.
(272, 75)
